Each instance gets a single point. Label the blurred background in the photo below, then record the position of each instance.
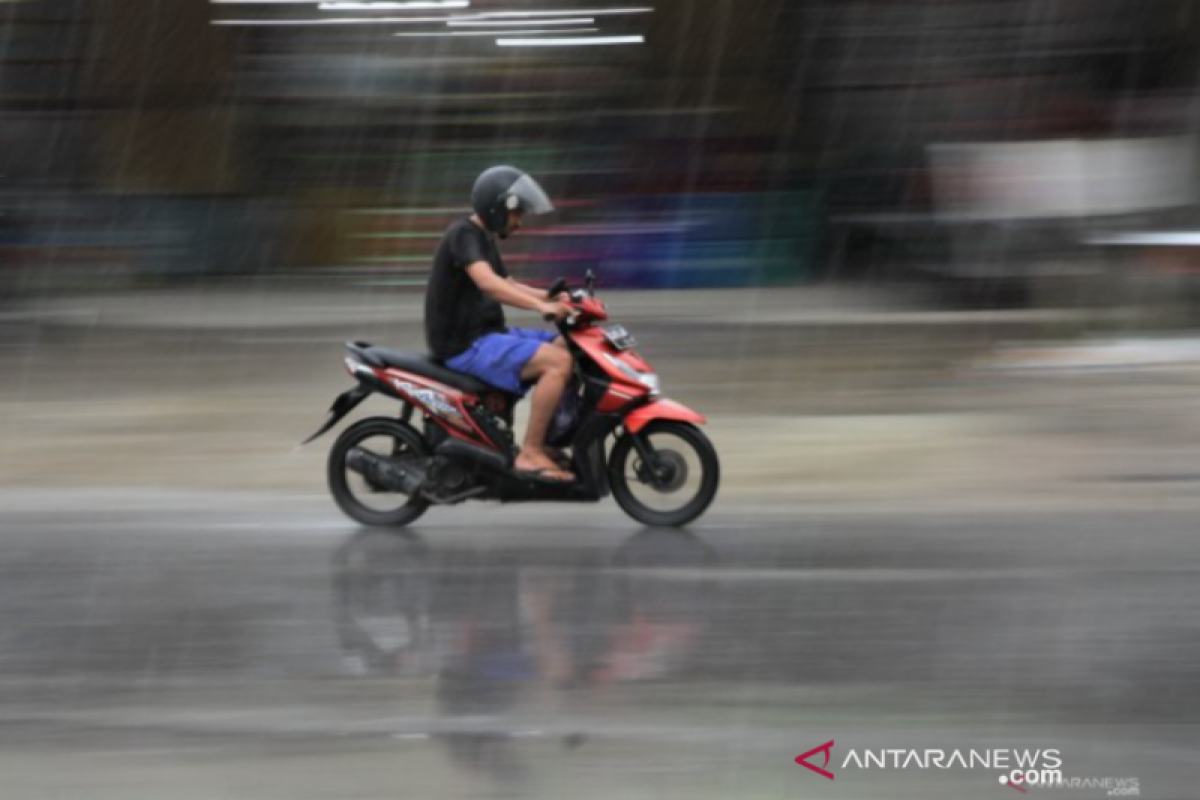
(708, 145)
(929, 269)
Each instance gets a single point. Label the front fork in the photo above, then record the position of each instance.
(653, 471)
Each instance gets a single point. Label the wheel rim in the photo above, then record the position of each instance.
(680, 479)
(361, 490)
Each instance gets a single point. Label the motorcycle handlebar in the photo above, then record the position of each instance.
(559, 286)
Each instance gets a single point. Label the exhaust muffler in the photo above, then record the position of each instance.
(386, 474)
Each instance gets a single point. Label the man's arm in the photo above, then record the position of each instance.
(511, 293)
(538, 294)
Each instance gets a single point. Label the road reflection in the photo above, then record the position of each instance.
(481, 617)
(497, 632)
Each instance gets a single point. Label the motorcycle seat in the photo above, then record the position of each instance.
(426, 366)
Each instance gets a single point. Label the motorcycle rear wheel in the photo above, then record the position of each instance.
(683, 451)
(405, 441)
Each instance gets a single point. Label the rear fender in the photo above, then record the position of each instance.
(343, 405)
(642, 416)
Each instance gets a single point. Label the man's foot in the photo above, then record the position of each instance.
(543, 467)
(559, 457)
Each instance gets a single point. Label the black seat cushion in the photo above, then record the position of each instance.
(424, 365)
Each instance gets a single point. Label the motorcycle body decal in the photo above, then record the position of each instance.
(437, 403)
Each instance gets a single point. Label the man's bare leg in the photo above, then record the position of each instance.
(551, 368)
(557, 453)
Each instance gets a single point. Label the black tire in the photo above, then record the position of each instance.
(623, 490)
(339, 485)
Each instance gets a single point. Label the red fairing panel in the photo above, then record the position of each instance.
(594, 309)
(593, 341)
(444, 403)
(616, 398)
(661, 409)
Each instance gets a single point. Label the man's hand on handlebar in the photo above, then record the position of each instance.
(555, 310)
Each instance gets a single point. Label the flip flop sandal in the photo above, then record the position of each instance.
(539, 476)
(563, 460)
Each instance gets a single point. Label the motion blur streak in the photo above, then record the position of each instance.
(510, 23)
(581, 41)
(413, 4)
(333, 21)
(567, 12)
(493, 33)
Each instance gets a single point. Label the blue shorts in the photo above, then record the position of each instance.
(498, 358)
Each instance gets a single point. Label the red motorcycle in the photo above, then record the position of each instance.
(661, 468)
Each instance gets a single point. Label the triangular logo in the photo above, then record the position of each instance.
(825, 748)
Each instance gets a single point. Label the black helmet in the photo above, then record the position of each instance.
(500, 190)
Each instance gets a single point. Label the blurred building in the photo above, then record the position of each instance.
(741, 143)
(900, 86)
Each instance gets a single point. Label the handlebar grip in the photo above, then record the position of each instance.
(549, 317)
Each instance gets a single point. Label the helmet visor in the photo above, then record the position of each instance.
(533, 199)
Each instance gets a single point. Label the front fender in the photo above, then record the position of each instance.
(661, 409)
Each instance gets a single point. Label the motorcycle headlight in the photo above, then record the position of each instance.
(647, 379)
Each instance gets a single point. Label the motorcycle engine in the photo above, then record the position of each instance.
(449, 476)
(497, 428)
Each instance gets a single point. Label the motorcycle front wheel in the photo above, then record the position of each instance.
(354, 494)
(672, 487)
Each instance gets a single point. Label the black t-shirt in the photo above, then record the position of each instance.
(456, 312)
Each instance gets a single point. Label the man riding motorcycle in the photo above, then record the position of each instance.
(465, 327)
(660, 468)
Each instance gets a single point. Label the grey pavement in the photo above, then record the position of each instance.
(878, 417)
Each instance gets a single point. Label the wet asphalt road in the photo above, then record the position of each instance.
(248, 646)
